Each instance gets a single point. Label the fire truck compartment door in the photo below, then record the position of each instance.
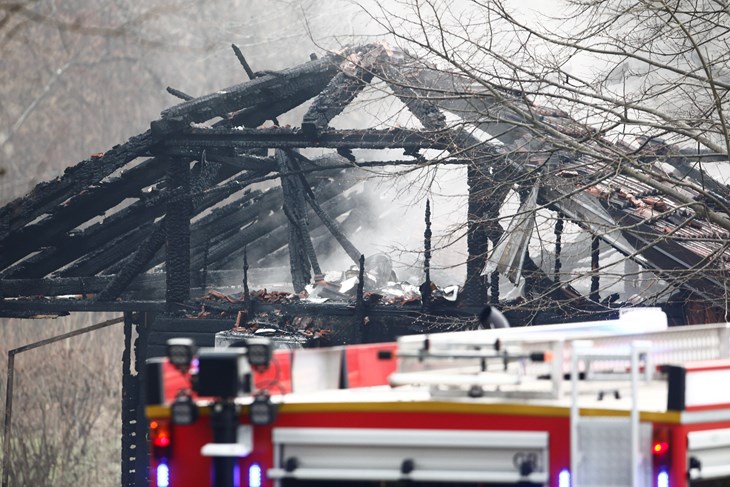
(708, 454)
(423, 455)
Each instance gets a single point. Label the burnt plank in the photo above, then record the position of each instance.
(196, 140)
(262, 244)
(343, 88)
(177, 234)
(312, 77)
(105, 235)
(137, 264)
(93, 201)
(141, 288)
(48, 195)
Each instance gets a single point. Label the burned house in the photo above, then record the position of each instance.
(170, 226)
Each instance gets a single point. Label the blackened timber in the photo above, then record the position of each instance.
(426, 287)
(333, 99)
(54, 286)
(242, 60)
(558, 246)
(312, 76)
(177, 230)
(93, 201)
(129, 405)
(287, 138)
(360, 302)
(475, 290)
(247, 162)
(246, 293)
(137, 265)
(222, 227)
(272, 247)
(403, 86)
(105, 238)
(179, 94)
(329, 195)
(595, 280)
(301, 251)
(98, 259)
(329, 222)
(270, 233)
(145, 286)
(232, 217)
(48, 195)
(70, 247)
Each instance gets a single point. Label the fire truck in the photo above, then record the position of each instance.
(626, 402)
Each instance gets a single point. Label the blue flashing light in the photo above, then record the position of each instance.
(662, 479)
(163, 475)
(254, 475)
(564, 478)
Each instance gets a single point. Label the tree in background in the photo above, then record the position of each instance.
(604, 107)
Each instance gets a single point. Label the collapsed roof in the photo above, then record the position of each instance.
(169, 210)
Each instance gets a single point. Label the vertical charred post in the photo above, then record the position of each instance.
(204, 277)
(426, 286)
(558, 247)
(360, 303)
(177, 229)
(595, 279)
(494, 287)
(246, 294)
(301, 251)
(475, 290)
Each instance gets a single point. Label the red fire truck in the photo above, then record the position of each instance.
(628, 402)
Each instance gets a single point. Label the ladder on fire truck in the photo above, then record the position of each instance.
(619, 353)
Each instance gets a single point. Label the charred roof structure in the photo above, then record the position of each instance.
(165, 211)
(162, 226)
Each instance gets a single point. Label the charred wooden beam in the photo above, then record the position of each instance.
(47, 196)
(329, 196)
(143, 287)
(249, 72)
(68, 248)
(360, 302)
(79, 208)
(247, 162)
(329, 222)
(137, 265)
(273, 247)
(403, 84)
(426, 286)
(309, 77)
(223, 229)
(179, 94)
(229, 218)
(595, 279)
(246, 293)
(112, 239)
(177, 231)
(301, 251)
(343, 88)
(116, 251)
(242, 60)
(558, 247)
(196, 140)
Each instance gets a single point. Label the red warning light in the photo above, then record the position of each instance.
(160, 433)
(660, 447)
